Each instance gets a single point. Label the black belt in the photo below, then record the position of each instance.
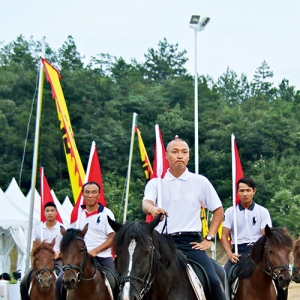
(246, 245)
(186, 233)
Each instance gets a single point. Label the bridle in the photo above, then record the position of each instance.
(148, 278)
(80, 271)
(271, 269)
(39, 274)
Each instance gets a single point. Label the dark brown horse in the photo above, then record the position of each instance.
(43, 276)
(296, 267)
(266, 266)
(81, 278)
(148, 264)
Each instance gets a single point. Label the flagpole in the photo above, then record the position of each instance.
(35, 156)
(129, 167)
(234, 193)
(159, 165)
(42, 200)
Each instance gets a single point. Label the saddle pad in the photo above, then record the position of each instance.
(195, 282)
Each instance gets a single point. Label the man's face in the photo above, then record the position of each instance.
(178, 154)
(245, 192)
(50, 213)
(91, 194)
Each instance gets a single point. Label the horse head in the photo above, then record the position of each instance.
(74, 256)
(278, 247)
(43, 262)
(296, 267)
(135, 256)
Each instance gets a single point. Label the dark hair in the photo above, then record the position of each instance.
(52, 204)
(89, 183)
(5, 276)
(250, 182)
(176, 140)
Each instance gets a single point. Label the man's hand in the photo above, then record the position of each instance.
(204, 245)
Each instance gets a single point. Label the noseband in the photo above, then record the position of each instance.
(271, 272)
(80, 271)
(39, 274)
(146, 280)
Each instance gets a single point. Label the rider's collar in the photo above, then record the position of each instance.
(251, 207)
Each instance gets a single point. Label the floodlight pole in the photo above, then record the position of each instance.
(197, 25)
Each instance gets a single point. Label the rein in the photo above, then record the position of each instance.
(146, 280)
(80, 271)
(272, 268)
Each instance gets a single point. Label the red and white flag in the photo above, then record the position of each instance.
(237, 174)
(93, 173)
(160, 165)
(46, 196)
(237, 171)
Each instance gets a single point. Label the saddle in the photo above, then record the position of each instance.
(110, 277)
(200, 272)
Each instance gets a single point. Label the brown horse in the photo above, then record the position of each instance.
(43, 276)
(296, 267)
(81, 277)
(266, 266)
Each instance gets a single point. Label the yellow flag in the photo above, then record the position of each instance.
(220, 231)
(75, 168)
(144, 156)
(204, 222)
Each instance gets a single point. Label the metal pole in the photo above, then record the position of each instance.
(196, 110)
(35, 157)
(129, 167)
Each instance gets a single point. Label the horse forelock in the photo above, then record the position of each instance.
(70, 235)
(42, 245)
(280, 239)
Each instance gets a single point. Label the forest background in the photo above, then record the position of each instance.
(101, 98)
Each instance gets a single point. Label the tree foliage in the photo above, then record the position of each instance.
(101, 98)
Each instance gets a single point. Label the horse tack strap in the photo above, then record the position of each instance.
(195, 282)
(108, 288)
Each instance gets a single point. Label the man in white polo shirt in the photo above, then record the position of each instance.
(99, 236)
(182, 194)
(251, 221)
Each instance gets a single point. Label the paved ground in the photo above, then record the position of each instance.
(294, 291)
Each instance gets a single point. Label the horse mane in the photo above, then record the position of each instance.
(278, 238)
(69, 236)
(164, 245)
(296, 247)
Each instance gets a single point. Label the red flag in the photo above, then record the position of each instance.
(93, 173)
(237, 171)
(46, 196)
(161, 163)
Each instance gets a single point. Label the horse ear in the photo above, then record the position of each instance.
(113, 224)
(268, 232)
(285, 230)
(84, 230)
(154, 223)
(62, 230)
(36, 243)
(53, 242)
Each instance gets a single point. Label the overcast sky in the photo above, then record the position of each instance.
(241, 34)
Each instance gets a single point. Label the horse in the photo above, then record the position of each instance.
(149, 265)
(41, 278)
(266, 266)
(82, 278)
(296, 267)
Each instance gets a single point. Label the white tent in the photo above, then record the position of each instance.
(13, 226)
(67, 205)
(63, 214)
(16, 196)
